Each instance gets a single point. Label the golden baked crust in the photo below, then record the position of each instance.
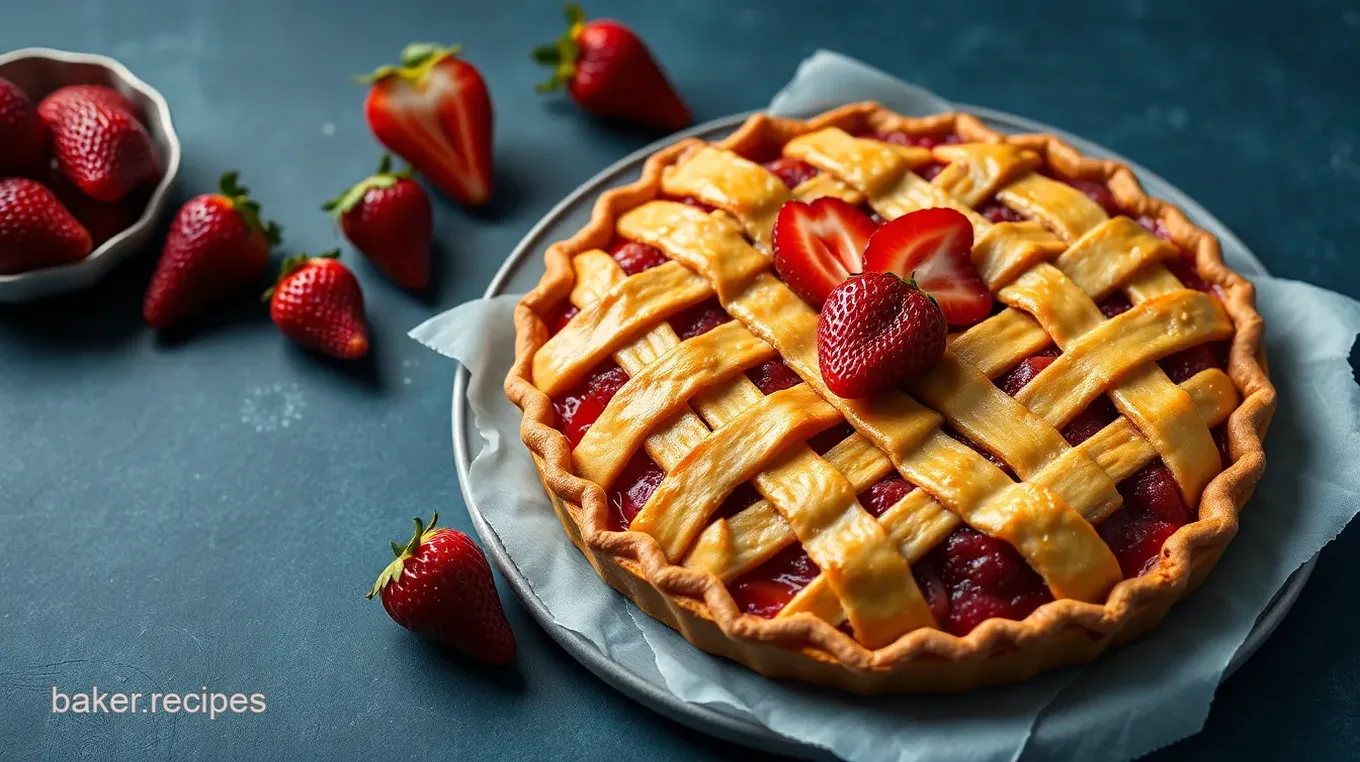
(699, 605)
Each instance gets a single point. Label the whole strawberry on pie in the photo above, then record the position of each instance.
(388, 217)
(893, 403)
(608, 71)
(875, 332)
(440, 586)
(434, 111)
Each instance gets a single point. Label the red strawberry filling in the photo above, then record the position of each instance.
(694, 202)
(997, 213)
(1098, 193)
(1184, 270)
(1152, 512)
(1015, 380)
(766, 589)
(978, 449)
(741, 498)
(930, 171)
(581, 406)
(884, 494)
(902, 138)
(636, 257)
(699, 319)
(772, 376)
(1183, 365)
(984, 578)
(1115, 304)
(792, 172)
(825, 440)
(560, 316)
(634, 485)
(1099, 414)
(1156, 227)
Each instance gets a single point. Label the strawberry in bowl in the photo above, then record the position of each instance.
(102, 142)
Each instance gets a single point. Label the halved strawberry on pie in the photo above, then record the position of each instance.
(818, 245)
(934, 247)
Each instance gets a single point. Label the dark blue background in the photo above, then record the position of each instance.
(152, 538)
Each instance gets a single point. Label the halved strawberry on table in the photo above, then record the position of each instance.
(434, 111)
(934, 248)
(818, 245)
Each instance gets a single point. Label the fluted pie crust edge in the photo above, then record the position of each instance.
(1065, 631)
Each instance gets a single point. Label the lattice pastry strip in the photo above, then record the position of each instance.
(917, 523)
(1103, 253)
(973, 405)
(1059, 544)
(877, 589)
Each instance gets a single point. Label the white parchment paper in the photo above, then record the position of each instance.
(1131, 701)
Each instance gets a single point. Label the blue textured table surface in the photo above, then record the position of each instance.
(207, 509)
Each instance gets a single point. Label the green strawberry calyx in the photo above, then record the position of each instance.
(238, 196)
(393, 571)
(293, 264)
(562, 54)
(383, 178)
(417, 59)
(911, 281)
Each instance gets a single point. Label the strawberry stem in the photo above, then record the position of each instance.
(293, 264)
(383, 178)
(562, 54)
(239, 196)
(394, 569)
(417, 58)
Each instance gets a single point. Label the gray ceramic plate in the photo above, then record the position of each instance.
(522, 271)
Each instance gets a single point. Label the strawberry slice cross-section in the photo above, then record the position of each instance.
(434, 111)
(818, 245)
(933, 247)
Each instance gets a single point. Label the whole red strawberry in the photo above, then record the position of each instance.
(35, 229)
(875, 332)
(25, 142)
(610, 73)
(100, 145)
(318, 304)
(217, 246)
(434, 111)
(388, 217)
(440, 586)
(103, 95)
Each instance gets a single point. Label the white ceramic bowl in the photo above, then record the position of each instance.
(39, 71)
